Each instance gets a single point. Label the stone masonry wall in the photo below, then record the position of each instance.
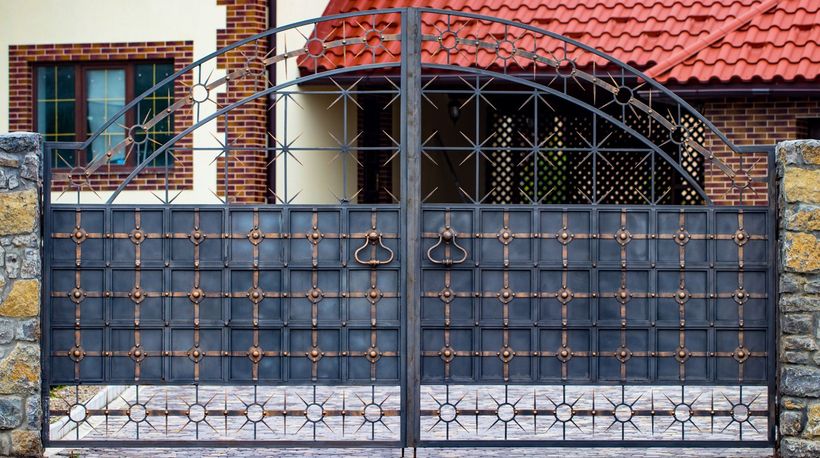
(20, 402)
(799, 302)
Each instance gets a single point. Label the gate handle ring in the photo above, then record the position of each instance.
(373, 237)
(447, 236)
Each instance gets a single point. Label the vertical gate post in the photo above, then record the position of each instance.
(20, 287)
(799, 302)
(411, 199)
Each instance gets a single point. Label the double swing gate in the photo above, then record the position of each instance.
(480, 233)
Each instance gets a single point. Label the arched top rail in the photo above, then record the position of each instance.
(373, 42)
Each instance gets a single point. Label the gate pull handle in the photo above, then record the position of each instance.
(448, 237)
(373, 238)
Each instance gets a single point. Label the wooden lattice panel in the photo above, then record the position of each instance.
(579, 161)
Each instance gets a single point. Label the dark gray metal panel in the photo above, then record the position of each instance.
(632, 295)
(234, 295)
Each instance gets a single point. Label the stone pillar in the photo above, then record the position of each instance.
(798, 169)
(21, 415)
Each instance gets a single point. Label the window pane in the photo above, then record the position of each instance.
(105, 96)
(56, 106)
(65, 82)
(146, 76)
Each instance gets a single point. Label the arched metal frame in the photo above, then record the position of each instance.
(413, 241)
(744, 183)
(579, 103)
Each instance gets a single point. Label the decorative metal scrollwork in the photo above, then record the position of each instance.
(448, 237)
(623, 236)
(79, 235)
(741, 354)
(741, 237)
(137, 295)
(683, 354)
(374, 240)
(77, 295)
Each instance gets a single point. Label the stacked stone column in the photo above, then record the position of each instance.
(799, 301)
(20, 272)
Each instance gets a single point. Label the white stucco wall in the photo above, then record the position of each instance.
(318, 179)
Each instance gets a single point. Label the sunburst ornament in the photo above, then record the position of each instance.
(372, 412)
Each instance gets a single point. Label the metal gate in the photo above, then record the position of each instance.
(566, 261)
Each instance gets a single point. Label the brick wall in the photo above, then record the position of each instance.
(748, 121)
(247, 125)
(21, 99)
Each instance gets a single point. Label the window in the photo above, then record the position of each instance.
(75, 100)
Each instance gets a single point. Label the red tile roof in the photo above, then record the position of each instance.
(682, 41)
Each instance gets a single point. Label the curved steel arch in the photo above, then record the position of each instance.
(477, 43)
(230, 108)
(580, 103)
(223, 51)
(577, 102)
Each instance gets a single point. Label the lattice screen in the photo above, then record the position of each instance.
(566, 171)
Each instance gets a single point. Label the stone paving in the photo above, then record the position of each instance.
(420, 453)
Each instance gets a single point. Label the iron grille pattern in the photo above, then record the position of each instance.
(571, 297)
(637, 295)
(196, 294)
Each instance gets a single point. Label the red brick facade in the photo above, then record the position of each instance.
(247, 125)
(22, 59)
(761, 120)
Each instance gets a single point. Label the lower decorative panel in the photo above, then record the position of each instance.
(587, 412)
(225, 413)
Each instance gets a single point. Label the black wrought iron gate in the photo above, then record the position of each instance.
(555, 253)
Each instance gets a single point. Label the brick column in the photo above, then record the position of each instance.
(799, 302)
(247, 125)
(20, 403)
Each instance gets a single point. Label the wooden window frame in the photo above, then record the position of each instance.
(81, 133)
